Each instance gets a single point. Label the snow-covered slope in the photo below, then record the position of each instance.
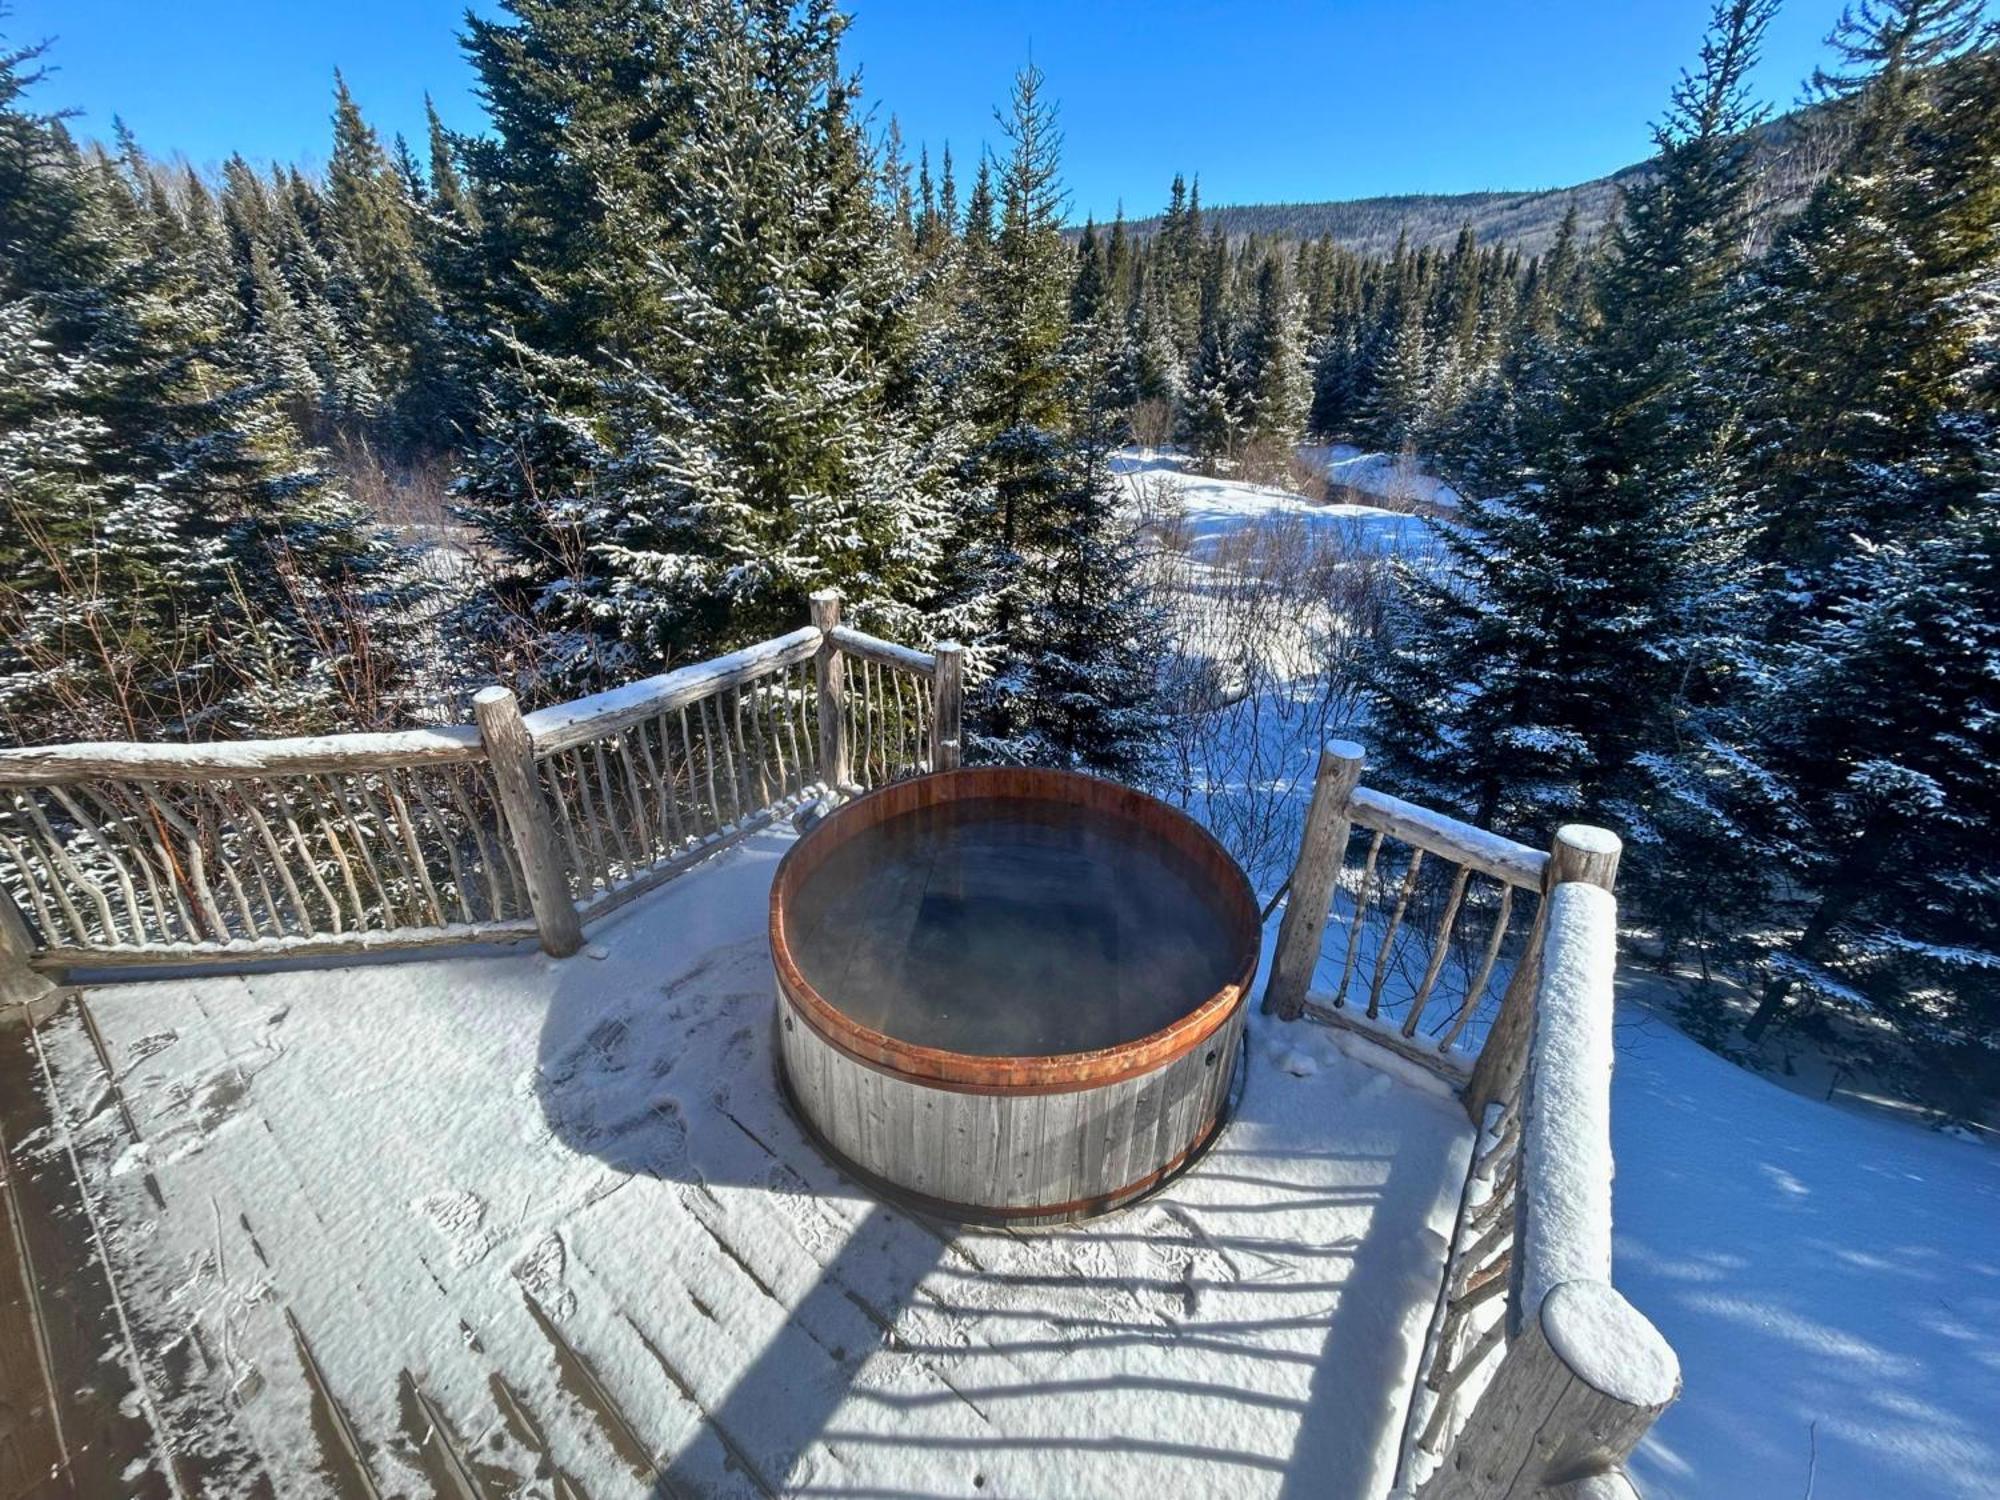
(1387, 476)
(1830, 1281)
(1216, 508)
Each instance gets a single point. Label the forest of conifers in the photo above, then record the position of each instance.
(680, 336)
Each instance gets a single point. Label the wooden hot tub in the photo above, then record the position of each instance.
(1011, 994)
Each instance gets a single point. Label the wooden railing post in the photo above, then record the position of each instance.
(1580, 852)
(947, 744)
(1322, 848)
(1570, 1400)
(511, 753)
(833, 768)
(19, 984)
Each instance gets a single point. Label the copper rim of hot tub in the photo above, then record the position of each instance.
(1192, 1060)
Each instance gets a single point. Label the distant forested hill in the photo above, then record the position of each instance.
(1792, 156)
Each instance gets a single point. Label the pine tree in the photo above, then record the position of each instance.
(1886, 723)
(1565, 639)
(1396, 410)
(1043, 578)
(1871, 341)
(1860, 320)
(1274, 354)
(761, 461)
(392, 306)
(1093, 639)
(172, 550)
(1214, 414)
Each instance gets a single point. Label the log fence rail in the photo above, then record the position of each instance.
(515, 826)
(1490, 964)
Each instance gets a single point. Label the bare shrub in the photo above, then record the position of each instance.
(412, 498)
(1153, 423)
(1274, 624)
(1275, 463)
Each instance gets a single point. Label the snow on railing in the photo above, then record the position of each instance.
(516, 826)
(1535, 1377)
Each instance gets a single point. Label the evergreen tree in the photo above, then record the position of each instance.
(1871, 341)
(761, 462)
(392, 308)
(1044, 580)
(1214, 413)
(1396, 410)
(1274, 354)
(1561, 644)
(1886, 725)
(172, 550)
(1861, 319)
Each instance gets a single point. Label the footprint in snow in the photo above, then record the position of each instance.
(541, 1271)
(460, 1218)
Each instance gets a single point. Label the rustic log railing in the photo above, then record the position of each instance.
(509, 828)
(1491, 964)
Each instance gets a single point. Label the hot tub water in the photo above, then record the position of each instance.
(1002, 928)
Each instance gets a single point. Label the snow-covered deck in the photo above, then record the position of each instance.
(504, 1225)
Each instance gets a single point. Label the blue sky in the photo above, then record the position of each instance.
(1266, 99)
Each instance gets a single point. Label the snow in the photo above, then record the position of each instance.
(577, 1178)
(1566, 1220)
(1216, 509)
(1386, 476)
(1598, 1334)
(1830, 1281)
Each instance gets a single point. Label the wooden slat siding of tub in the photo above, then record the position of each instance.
(1022, 1150)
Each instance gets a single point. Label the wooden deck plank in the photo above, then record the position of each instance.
(33, 1459)
(320, 1266)
(97, 1426)
(546, 1229)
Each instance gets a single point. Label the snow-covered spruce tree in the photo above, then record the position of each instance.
(1337, 355)
(756, 456)
(1274, 356)
(588, 100)
(1485, 446)
(1872, 364)
(1093, 637)
(1886, 728)
(1564, 636)
(1215, 414)
(174, 559)
(1398, 405)
(373, 224)
(690, 424)
(1043, 578)
(1095, 303)
(1860, 321)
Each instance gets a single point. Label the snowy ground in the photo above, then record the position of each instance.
(1830, 1280)
(527, 1219)
(1394, 479)
(1220, 508)
(535, 1217)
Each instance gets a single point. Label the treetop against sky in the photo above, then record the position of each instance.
(1282, 100)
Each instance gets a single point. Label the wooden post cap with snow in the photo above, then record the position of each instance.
(1569, 1402)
